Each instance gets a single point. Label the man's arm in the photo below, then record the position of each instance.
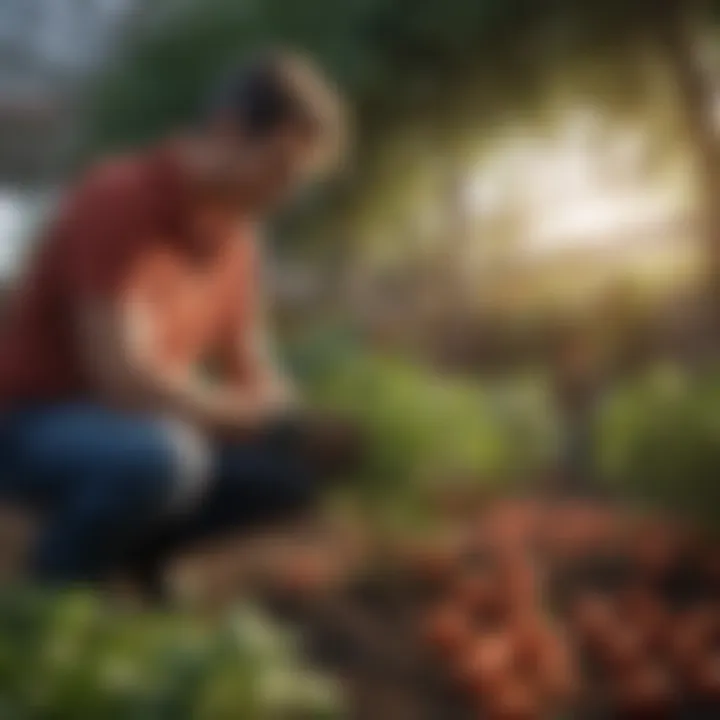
(249, 356)
(256, 354)
(115, 342)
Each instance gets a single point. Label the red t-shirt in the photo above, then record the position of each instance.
(129, 229)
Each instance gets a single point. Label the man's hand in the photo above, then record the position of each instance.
(235, 413)
(276, 390)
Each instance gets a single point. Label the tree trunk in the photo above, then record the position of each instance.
(674, 25)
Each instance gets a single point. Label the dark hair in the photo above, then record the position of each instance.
(277, 88)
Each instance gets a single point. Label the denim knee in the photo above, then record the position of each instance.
(162, 467)
(192, 462)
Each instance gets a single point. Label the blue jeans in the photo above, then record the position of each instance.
(114, 486)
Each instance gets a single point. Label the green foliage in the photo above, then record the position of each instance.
(661, 441)
(71, 657)
(424, 428)
(659, 435)
(395, 59)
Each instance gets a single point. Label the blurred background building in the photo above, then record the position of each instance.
(49, 53)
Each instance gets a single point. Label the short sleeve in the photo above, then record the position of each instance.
(106, 226)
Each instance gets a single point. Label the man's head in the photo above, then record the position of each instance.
(271, 126)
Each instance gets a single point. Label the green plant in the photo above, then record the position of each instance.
(660, 441)
(72, 656)
(423, 427)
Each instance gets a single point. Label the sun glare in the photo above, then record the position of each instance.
(584, 187)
